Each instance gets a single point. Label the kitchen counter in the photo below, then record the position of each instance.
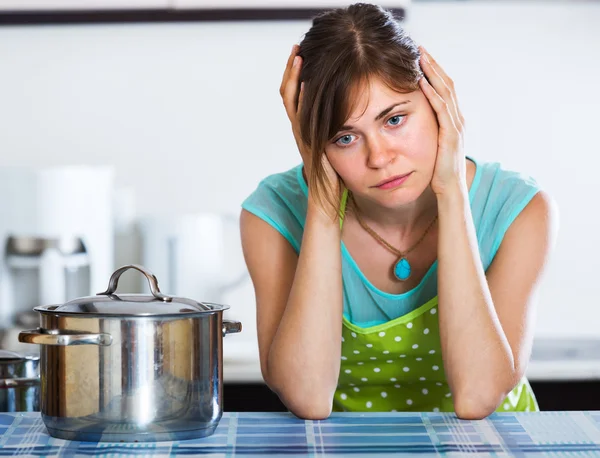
(343, 434)
(551, 359)
(564, 359)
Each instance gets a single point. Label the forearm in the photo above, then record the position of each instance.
(304, 359)
(478, 360)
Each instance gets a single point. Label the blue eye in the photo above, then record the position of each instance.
(344, 140)
(395, 120)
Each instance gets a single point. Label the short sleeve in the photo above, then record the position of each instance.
(280, 201)
(504, 196)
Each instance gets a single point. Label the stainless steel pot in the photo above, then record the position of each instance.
(131, 367)
(19, 382)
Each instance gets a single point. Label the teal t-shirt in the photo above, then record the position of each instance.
(497, 196)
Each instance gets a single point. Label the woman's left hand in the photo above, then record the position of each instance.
(449, 174)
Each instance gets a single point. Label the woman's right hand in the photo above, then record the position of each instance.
(289, 93)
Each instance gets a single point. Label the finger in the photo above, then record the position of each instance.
(447, 80)
(296, 127)
(290, 90)
(440, 106)
(442, 83)
(439, 85)
(442, 90)
(301, 97)
(288, 67)
(438, 68)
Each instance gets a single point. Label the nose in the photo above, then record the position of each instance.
(380, 152)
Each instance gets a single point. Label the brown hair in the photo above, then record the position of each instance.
(341, 51)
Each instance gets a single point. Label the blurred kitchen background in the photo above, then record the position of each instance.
(132, 137)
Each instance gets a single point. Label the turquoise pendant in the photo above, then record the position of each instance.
(402, 269)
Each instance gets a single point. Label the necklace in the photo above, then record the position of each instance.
(402, 268)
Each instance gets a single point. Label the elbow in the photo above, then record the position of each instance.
(476, 402)
(308, 405)
(312, 410)
(308, 399)
(472, 409)
(477, 405)
(305, 404)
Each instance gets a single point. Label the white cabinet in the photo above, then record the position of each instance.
(81, 5)
(99, 5)
(96, 5)
(277, 4)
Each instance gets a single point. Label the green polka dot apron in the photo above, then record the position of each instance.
(397, 366)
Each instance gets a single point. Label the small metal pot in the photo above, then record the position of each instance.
(19, 382)
(131, 367)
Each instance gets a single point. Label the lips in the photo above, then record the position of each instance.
(394, 178)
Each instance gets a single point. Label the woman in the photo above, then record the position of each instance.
(429, 303)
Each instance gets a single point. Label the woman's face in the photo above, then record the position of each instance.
(389, 134)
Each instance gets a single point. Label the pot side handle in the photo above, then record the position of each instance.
(37, 336)
(231, 327)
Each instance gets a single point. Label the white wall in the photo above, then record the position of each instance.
(191, 118)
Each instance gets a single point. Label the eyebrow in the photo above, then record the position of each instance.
(380, 115)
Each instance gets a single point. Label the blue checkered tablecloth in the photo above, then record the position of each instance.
(343, 434)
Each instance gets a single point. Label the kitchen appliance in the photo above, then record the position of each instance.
(19, 382)
(195, 254)
(47, 270)
(56, 237)
(131, 367)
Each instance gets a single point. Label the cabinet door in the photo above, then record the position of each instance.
(81, 5)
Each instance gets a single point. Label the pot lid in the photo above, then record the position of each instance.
(108, 303)
(132, 305)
